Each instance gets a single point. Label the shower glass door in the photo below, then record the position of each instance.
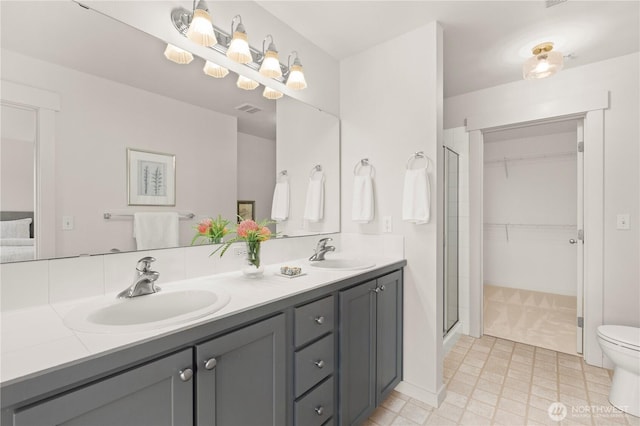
(451, 315)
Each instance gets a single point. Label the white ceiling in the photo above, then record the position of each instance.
(485, 42)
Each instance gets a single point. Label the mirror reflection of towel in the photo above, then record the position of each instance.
(155, 230)
(416, 196)
(314, 206)
(280, 204)
(362, 208)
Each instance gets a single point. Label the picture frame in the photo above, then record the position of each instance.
(151, 178)
(246, 210)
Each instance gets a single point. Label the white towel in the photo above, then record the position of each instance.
(280, 204)
(416, 196)
(362, 209)
(314, 206)
(155, 230)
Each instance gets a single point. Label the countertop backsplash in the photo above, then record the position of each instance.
(36, 283)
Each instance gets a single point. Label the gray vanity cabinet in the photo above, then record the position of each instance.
(165, 386)
(241, 376)
(370, 346)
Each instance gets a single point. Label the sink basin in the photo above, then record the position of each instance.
(343, 264)
(152, 311)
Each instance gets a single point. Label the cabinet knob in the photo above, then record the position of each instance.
(319, 363)
(210, 364)
(319, 320)
(382, 287)
(376, 290)
(186, 374)
(319, 410)
(573, 241)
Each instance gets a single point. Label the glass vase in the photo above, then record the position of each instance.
(253, 269)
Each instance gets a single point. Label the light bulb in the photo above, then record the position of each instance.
(215, 70)
(201, 29)
(239, 47)
(270, 93)
(177, 55)
(296, 78)
(246, 83)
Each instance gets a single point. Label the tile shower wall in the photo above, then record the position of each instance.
(458, 140)
(29, 284)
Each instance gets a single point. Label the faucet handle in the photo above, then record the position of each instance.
(144, 264)
(323, 242)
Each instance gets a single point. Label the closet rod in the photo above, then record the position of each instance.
(532, 157)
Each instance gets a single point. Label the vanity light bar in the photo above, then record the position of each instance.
(181, 18)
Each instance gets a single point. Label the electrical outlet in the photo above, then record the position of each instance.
(622, 221)
(240, 251)
(387, 224)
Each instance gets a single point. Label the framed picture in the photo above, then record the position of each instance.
(246, 210)
(151, 178)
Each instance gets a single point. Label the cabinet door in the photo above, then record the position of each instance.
(388, 335)
(241, 377)
(357, 353)
(153, 394)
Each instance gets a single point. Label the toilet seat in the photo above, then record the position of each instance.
(627, 337)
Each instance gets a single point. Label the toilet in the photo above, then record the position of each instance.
(621, 344)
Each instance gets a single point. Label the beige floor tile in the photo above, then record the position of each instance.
(539, 416)
(421, 404)
(549, 373)
(544, 382)
(484, 396)
(394, 403)
(471, 418)
(401, 421)
(435, 420)
(544, 392)
(492, 377)
(540, 403)
(597, 378)
(488, 386)
(459, 387)
(449, 411)
(511, 406)
(456, 399)
(470, 369)
(512, 383)
(598, 388)
(414, 413)
(465, 378)
(574, 364)
(519, 375)
(399, 395)
(382, 416)
(632, 420)
(572, 401)
(507, 418)
(516, 395)
(578, 392)
(480, 408)
(495, 355)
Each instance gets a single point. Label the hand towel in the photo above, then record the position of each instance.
(416, 196)
(280, 204)
(155, 230)
(362, 209)
(314, 206)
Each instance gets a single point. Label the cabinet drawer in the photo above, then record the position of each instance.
(313, 364)
(313, 320)
(317, 407)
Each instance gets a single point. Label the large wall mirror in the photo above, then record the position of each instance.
(117, 92)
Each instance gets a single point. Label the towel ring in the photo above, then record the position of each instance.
(282, 175)
(416, 156)
(362, 164)
(315, 169)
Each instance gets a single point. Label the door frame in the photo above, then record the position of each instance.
(590, 106)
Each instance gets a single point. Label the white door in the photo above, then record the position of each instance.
(579, 240)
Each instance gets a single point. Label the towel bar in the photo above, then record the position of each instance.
(128, 215)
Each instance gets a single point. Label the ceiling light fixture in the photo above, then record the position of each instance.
(239, 47)
(177, 55)
(296, 80)
(246, 83)
(545, 62)
(270, 93)
(215, 70)
(201, 28)
(270, 63)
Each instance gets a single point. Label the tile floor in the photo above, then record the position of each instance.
(492, 381)
(540, 319)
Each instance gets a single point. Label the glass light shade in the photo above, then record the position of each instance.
(543, 65)
(296, 79)
(201, 29)
(239, 48)
(177, 55)
(270, 93)
(246, 83)
(215, 70)
(271, 65)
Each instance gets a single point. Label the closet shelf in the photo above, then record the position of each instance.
(533, 225)
(532, 157)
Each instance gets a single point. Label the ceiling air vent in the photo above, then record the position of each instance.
(248, 108)
(550, 3)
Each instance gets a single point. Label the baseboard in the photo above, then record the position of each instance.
(428, 397)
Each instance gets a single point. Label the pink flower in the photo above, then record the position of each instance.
(265, 233)
(245, 227)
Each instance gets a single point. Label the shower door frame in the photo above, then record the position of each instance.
(590, 107)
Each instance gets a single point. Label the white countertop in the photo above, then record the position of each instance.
(36, 339)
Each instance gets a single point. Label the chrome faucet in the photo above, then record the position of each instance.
(321, 249)
(143, 281)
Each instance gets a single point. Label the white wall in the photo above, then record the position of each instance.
(391, 107)
(458, 140)
(98, 120)
(307, 137)
(257, 172)
(536, 192)
(621, 172)
(16, 175)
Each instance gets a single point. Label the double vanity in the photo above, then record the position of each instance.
(322, 348)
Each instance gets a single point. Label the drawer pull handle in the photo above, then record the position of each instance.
(210, 364)
(186, 374)
(319, 363)
(382, 287)
(319, 320)
(319, 410)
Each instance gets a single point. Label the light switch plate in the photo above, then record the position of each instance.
(387, 224)
(622, 221)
